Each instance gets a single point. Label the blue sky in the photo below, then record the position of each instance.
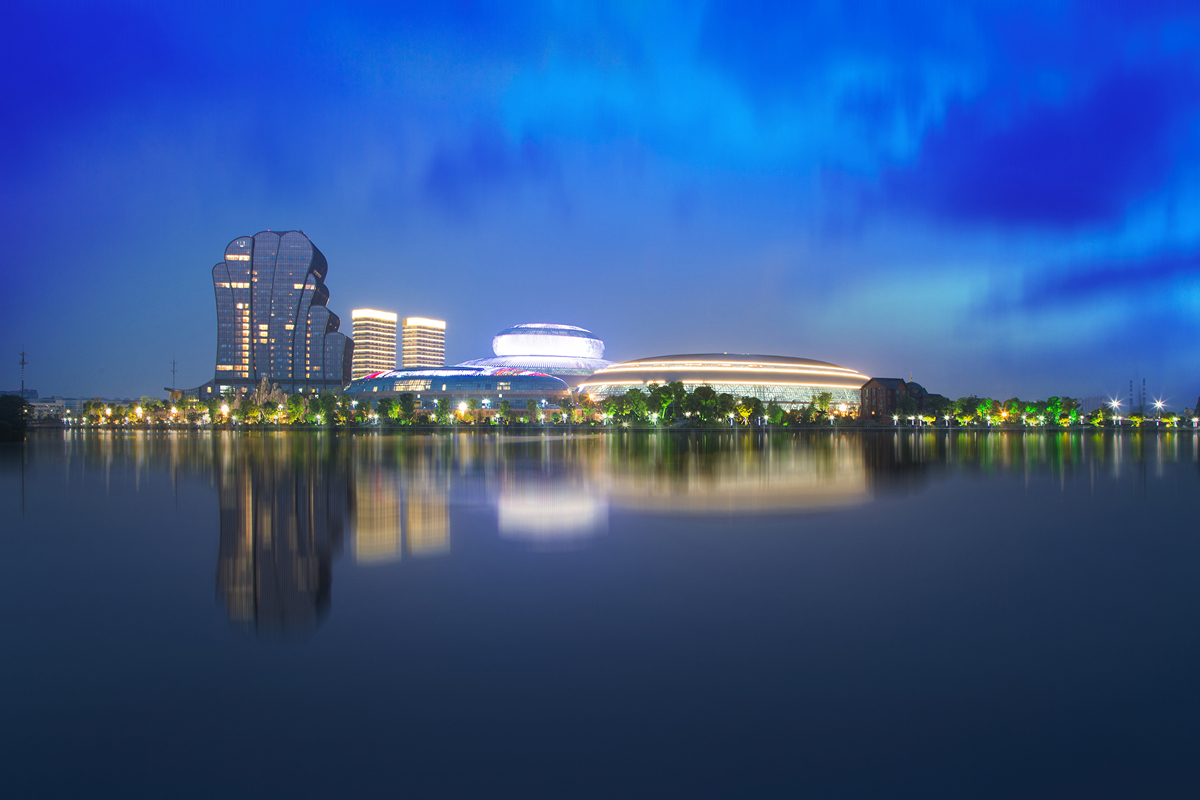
(997, 199)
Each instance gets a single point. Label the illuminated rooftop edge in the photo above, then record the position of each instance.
(423, 322)
(370, 313)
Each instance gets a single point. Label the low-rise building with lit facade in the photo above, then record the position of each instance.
(789, 382)
(882, 398)
(489, 386)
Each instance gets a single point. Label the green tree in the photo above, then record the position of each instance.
(907, 406)
(295, 408)
(774, 413)
(442, 411)
(327, 404)
(408, 404)
(248, 411)
(504, 412)
(566, 408)
(532, 407)
(660, 399)
(636, 405)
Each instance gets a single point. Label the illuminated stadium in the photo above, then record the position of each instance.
(562, 350)
(790, 382)
(489, 385)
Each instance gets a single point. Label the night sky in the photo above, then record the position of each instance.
(997, 200)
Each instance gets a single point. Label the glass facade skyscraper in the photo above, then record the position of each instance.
(272, 321)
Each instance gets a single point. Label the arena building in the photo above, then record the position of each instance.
(790, 382)
(489, 385)
(564, 351)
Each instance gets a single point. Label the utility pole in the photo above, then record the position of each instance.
(23, 363)
(174, 369)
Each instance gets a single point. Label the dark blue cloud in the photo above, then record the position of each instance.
(460, 177)
(1078, 163)
(1128, 279)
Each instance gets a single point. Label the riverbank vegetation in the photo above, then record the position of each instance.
(660, 405)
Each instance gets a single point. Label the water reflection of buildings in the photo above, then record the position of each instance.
(397, 506)
(387, 517)
(283, 506)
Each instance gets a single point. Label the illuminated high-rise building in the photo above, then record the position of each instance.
(271, 317)
(424, 343)
(374, 341)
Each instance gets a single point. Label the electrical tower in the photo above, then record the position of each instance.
(174, 369)
(23, 363)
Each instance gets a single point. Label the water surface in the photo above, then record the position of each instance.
(619, 615)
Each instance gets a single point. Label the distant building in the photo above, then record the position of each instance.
(48, 407)
(27, 394)
(1089, 404)
(881, 397)
(424, 343)
(374, 341)
(272, 321)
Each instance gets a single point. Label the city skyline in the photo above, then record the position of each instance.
(993, 201)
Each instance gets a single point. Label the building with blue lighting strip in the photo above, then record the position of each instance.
(488, 385)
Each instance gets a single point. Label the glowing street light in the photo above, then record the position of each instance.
(462, 406)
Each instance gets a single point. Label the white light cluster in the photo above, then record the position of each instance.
(542, 341)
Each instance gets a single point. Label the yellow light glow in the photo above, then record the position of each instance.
(693, 366)
(237, 257)
(422, 322)
(370, 313)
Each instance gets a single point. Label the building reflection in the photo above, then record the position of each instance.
(284, 502)
(550, 514)
(428, 523)
(377, 530)
(287, 501)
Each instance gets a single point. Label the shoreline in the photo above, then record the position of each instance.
(525, 430)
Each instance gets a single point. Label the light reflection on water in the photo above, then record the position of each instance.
(289, 502)
(741, 614)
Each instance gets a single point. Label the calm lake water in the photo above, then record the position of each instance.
(629, 615)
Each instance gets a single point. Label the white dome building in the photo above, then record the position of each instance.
(564, 351)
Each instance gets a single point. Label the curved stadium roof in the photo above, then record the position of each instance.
(783, 378)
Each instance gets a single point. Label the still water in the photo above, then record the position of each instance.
(624, 615)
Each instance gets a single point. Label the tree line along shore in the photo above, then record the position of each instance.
(670, 405)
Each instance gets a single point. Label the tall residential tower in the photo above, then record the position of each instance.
(374, 341)
(271, 317)
(424, 342)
